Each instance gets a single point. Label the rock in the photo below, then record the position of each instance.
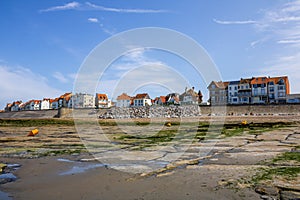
(260, 190)
(265, 197)
(289, 195)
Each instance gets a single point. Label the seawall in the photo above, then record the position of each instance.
(159, 111)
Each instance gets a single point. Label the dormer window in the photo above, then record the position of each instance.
(281, 82)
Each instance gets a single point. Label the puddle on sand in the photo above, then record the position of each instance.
(5, 196)
(81, 167)
(65, 160)
(8, 176)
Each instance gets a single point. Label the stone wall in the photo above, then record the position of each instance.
(36, 114)
(182, 111)
(292, 109)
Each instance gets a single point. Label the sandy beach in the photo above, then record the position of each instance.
(226, 172)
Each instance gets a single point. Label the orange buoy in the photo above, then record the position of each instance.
(244, 123)
(168, 124)
(33, 132)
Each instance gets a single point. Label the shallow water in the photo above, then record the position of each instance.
(137, 166)
(8, 176)
(4, 196)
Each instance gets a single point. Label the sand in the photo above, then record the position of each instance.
(215, 177)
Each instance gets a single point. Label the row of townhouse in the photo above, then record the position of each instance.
(255, 90)
(186, 98)
(44, 104)
(83, 100)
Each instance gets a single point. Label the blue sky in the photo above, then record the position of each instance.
(43, 43)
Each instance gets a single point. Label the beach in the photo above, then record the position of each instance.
(55, 166)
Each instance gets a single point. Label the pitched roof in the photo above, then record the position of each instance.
(142, 96)
(123, 96)
(163, 99)
(245, 80)
(259, 80)
(285, 79)
(220, 84)
(67, 94)
(101, 96)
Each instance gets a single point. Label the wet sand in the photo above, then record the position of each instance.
(40, 179)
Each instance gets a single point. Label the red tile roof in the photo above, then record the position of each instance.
(259, 80)
(123, 96)
(102, 96)
(142, 96)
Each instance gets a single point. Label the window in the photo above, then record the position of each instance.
(254, 85)
(213, 86)
(280, 87)
(263, 91)
(229, 87)
(255, 92)
(281, 82)
(247, 86)
(281, 94)
(271, 89)
(242, 87)
(235, 88)
(271, 83)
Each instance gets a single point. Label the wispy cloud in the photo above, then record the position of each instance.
(234, 22)
(69, 6)
(123, 10)
(288, 42)
(101, 25)
(28, 85)
(60, 77)
(90, 6)
(281, 29)
(94, 20)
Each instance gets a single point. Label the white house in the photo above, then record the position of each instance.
(123, 100)
(82, 100)
(142, 100)
(102, 101)
(189, 97)
(37, 105)
(232, 95)
(45, 104)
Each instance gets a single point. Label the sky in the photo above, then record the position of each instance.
(44, 43)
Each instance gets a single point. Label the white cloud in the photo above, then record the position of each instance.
(68, 6)
(288, 41)
(94, 20)
(234, 22)
(90, 6)
(122, 10)
(19, 83)
(60, 77)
